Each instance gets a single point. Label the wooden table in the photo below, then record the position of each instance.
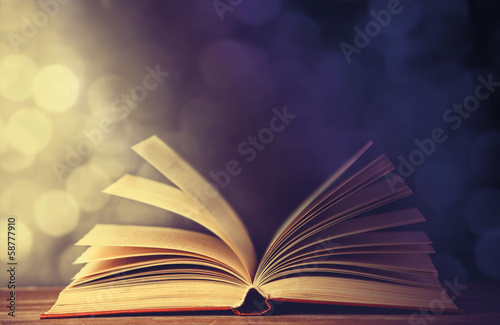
(481, 303)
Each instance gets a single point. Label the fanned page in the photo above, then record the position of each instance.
(338, 247)
(203, 195)
(336, 250)
(131, 269)
(127, 260)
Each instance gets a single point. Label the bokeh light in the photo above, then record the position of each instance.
(18, 73)
(13, 161)
(28, 130)
(56, 88)
(56, 213)
(18, 198)
(58, 84)
(85, 184)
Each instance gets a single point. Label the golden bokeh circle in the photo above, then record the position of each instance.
(17, 77)
(28, 130)
(56, 88)
(14, 161)
(56, 213)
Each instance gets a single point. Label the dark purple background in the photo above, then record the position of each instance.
(227, 76)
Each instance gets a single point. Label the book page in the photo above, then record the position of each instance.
(166, 197)
(203, 196)
(356, 292)
(165, 238)
(335, 176)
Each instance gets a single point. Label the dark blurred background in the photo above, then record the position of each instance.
(350, 70)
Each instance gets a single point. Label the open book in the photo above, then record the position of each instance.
(334, 249)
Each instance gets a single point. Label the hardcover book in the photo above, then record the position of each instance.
(338, 247)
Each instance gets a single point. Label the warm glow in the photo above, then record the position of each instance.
(56, 213)
(56, 88)
(28, 130)
(3, 140)
(12, 13)
(18, 198)
(85, 184)
(18, 73)
(14, 161)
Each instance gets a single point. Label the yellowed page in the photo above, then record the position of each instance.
(155, 295)
(163, 237)
(166, 197)
(320, 190)
(354, 291)
(102, 253)
(204, 196)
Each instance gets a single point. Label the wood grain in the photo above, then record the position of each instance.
(480, 301)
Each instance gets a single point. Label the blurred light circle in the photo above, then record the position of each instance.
(85, 184)
(257, 12)
(53, 53)
(104, 91)
(438, 184)
(29, 130)
(483, 211)
(487, 254)
(23, 239)
(12, 13)
(17, 76)
(13, 161)
(56, 213)
(56, 88)
(18, 198)
(485, 157)
(225, 63)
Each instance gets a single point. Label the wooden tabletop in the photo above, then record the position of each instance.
(481, 303)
